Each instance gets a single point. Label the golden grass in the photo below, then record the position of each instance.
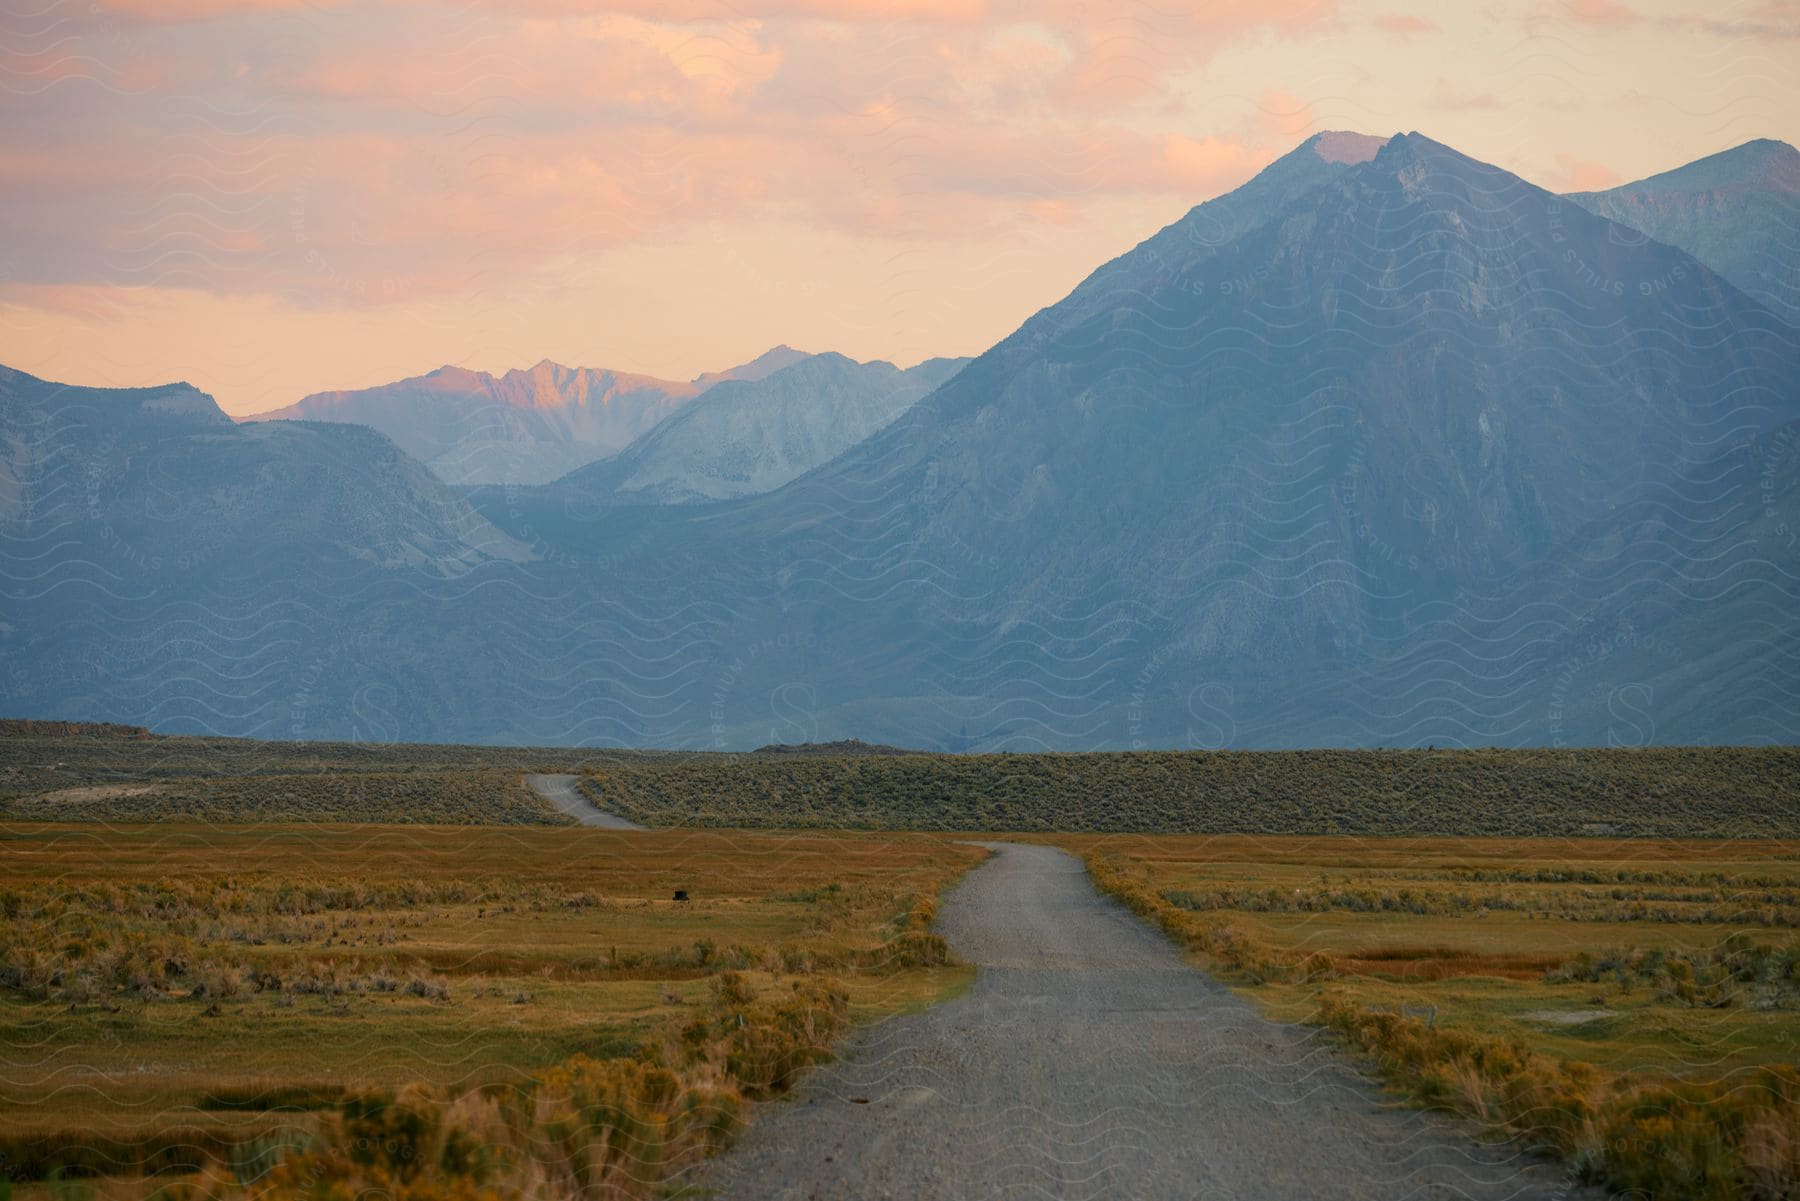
(538, 992)
(1594, 998)
(317, 963)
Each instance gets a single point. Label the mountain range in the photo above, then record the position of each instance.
(1737, 211)
(524, 426)
(751, 436)
(1386, 447)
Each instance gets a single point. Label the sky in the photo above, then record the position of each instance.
(268, 198)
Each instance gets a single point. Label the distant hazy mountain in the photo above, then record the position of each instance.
(1387, 447)
(157, 557)
(522, 427)
(1737, 211)
(762, 366)
(749, 436)
(164, 478)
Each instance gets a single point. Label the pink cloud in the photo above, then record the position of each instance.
(1405, 25)
(604, 75)
(1283, 118)
(1579, 175)
(1447, 96)
(855, 11)
(412, 156)
(1208, 165)
(1120, 57)
(1603, 14)
(170, 11)
(81, 301)
(935, 11)
(1052, 212)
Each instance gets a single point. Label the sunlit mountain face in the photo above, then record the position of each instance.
(523, 427)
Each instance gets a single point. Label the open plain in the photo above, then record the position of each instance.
(194, 996)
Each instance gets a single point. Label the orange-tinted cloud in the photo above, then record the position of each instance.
(1578, 175)
(1603, 14)
(1450, 97)
(937, 11)
(169, 11)
(1405, 25)
(1207, 165)
(399, 182)
(1284, 118)
(304, 149)
(80, 301)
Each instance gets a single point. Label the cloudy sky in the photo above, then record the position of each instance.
(273, 197)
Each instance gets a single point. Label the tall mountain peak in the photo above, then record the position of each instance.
(449, 376)
(745, 437)
(1213, 226)
(776, 358)
(1761, 164)
(1737, 211)
(1344, 147)
(1415, 147)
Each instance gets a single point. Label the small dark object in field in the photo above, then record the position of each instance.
(681, 894)
(859, 1100)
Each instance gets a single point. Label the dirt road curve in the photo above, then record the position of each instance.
(564, 793)
(1089, 1061)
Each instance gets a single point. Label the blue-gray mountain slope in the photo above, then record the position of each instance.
(1387, 447)
(749, 436)
(1737, 211)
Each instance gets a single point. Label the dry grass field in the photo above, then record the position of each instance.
(336, 947)
(174, 992)
(48, 774)
(1631, 1005)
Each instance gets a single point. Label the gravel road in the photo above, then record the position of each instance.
(1089, 1061)
(565, 793)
